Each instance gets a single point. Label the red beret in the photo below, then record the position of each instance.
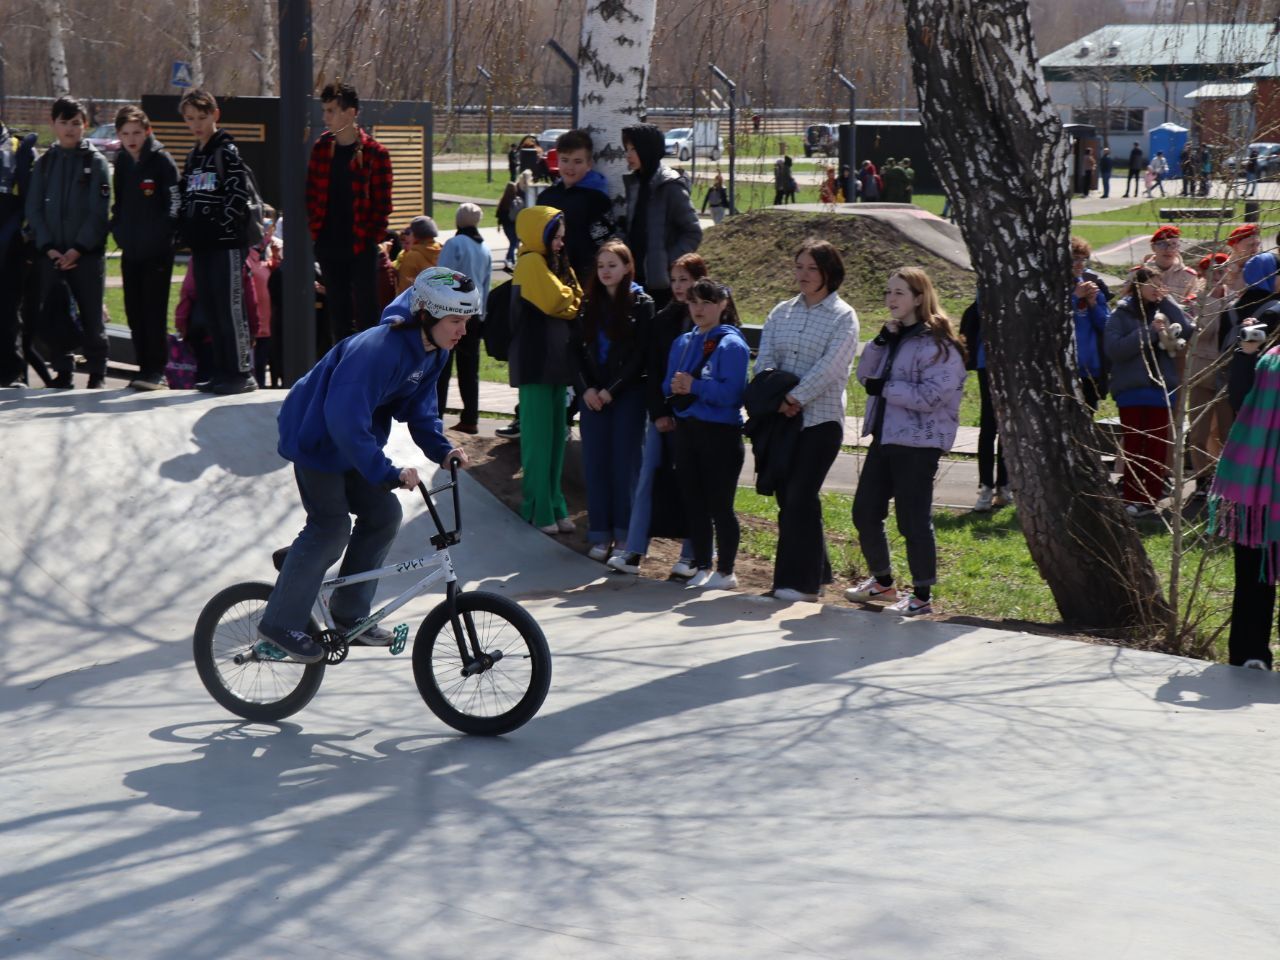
(1212, 261)
(1242, 233)
(1166, 233)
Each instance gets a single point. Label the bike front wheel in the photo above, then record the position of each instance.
(502, 696)
(247, 683)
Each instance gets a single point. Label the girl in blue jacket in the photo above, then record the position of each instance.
(706, 378)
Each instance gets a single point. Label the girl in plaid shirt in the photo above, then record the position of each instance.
(814, 335)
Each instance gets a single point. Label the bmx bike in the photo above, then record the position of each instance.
(480, 660)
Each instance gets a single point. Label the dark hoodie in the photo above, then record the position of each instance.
(662, 224)
(144, 214)
(215, 195)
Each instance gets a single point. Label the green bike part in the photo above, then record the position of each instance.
(401, 634)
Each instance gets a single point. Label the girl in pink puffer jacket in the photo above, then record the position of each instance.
(914, 375)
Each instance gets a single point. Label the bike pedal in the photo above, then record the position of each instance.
(401, 635)
(268, 650)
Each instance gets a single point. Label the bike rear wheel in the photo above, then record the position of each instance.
(501, 697)
(258, 688)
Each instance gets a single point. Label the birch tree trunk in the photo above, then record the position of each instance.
(613, 58)
(268, 25)
(195, 44)
(999, 149)
(58, 79)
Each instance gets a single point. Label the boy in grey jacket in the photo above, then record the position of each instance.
(67, 208)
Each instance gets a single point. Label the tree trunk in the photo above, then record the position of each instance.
(268, 26)
(998, 146)
(195, 44)
(613, 58)
(58, 79)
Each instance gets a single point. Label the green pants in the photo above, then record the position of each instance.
(542, 429)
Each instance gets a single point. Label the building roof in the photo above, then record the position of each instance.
(1147, 46)
(1267, 71)
(1222, 91)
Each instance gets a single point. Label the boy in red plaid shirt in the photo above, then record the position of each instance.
(348, 202)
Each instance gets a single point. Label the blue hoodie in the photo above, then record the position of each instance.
(338, 416)
(723, 380)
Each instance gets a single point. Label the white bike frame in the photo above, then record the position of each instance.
(443, 570)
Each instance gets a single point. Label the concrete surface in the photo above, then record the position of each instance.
(712, 776)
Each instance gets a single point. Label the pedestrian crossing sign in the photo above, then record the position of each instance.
(181, 74)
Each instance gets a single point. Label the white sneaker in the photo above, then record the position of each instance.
(683, 568)
(565, 525)
(722, 581)
(787, 595)
(699, 579)
(550, 529)
(624, 562)
(1138, 510)
(869, 590)
(599, 552)
(1256, 665)
(1004, 496)
(986, 495)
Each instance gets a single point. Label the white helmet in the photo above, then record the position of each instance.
(441, 292)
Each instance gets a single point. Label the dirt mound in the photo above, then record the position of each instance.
(752, 253)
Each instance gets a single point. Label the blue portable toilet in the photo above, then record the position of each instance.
(1170, 138)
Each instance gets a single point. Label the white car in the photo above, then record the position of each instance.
(679, 144)
(547, 138)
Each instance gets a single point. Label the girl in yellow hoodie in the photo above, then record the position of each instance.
(546, 298)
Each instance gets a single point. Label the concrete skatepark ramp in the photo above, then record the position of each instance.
(712, 775)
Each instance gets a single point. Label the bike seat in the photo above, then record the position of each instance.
(277, 558)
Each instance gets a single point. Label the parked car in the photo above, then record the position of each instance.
(547, 138)
(682, 142)
(821, 138)
(104, 138)
(1268, 159)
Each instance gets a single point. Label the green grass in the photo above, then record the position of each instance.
(985, 569)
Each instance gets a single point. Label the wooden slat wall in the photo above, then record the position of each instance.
(406, 144)
(178, 140)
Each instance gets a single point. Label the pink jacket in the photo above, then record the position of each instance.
(921, 393)
(260, 270)
(187, 299)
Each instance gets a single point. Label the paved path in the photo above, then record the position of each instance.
(713, 775)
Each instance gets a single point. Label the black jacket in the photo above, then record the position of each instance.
(588, 222)
(669, 322)
(148, 199)
(773, 436)
(624, 365)
(1241, 370)
(215, 195)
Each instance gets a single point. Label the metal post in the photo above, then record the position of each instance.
(850, 194)
(299, 294)
(693, 129)
(428, 159)
(733, 133)
(3, 103)
(573, 66)
(488, 169)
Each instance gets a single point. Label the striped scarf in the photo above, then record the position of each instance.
(1244, 502)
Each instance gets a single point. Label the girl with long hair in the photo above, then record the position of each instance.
(914, 373)
(609, 344)
(706, 378)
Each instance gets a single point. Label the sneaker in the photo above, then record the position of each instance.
(206, 386)
(550, 529)
(565, 525)
(625, 562)
(234, 385)
(787, 595)
(1004, 496)
(510, 432)
(599, 552)
(722, 581)
(868, 591)
(461, 427)
(911, 606)
(375, 636)
(699, 579)
(97, 382)
(1256, 665)
(684, 569)
(986, 495)
(13, 385)
(149, 382)
(1138, 510)
(300, 646)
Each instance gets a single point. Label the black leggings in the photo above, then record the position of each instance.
(991, 469)
(708, 461)
(1253, 608)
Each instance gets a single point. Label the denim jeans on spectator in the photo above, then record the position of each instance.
(611, 444)
(905, 475)
(330, 499)
(656, 444)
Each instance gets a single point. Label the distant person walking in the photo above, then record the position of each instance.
(1105, 166)
(1160, 168)
(718, 199)
(1186, 161)
(1136, 166)
(1088, 165)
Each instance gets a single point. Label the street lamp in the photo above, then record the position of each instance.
(733, 130)
(299, 297)
(573, 67)
(489, 111)
(849, 193)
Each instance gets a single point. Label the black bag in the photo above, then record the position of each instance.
(667, 518)
(497, 321)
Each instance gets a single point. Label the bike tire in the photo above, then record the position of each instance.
(260, 690)
(500, 699)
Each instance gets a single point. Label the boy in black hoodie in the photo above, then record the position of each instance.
(215, 208)
(143, 219)
(662, 224)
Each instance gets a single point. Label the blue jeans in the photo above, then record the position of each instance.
(611, 444)
(642, 506)
(330, 499)
(514, 242)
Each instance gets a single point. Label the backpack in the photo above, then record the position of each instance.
(253, 229)
(180, 369)
(497, 321)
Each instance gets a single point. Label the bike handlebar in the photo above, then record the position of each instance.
(445, 537)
